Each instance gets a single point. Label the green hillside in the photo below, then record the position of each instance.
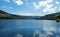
(54, 16)
(5, 15)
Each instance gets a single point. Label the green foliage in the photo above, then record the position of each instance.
(57, 18)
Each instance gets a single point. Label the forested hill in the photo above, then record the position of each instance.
(5, 15)
(54, 16)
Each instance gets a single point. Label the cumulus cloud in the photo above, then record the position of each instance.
(35, 5)
(47, 4)
(7, 0)
(41, 3)
(57, 2)
(18, 2)
(49, 1)
(52, 10)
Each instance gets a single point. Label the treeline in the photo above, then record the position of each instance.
(5, 15)
(55, 16)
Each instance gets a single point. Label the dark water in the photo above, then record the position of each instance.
(29, 28)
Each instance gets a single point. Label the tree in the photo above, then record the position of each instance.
(57, 17)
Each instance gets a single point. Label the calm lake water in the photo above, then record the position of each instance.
(29, 28)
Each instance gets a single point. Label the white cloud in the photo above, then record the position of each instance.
(7, 0)
(18, 2)
(51, 10)
(49, 1)
(57, 2)
(35, 5)
(41, 3)
(47, 4)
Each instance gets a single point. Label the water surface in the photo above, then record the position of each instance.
(29, 28)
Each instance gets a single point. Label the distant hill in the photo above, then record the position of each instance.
(5, 15)
(54, 16)
(51, 16)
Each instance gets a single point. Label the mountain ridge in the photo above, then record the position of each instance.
(5, 15)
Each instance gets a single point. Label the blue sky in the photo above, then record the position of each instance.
(30, 7)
